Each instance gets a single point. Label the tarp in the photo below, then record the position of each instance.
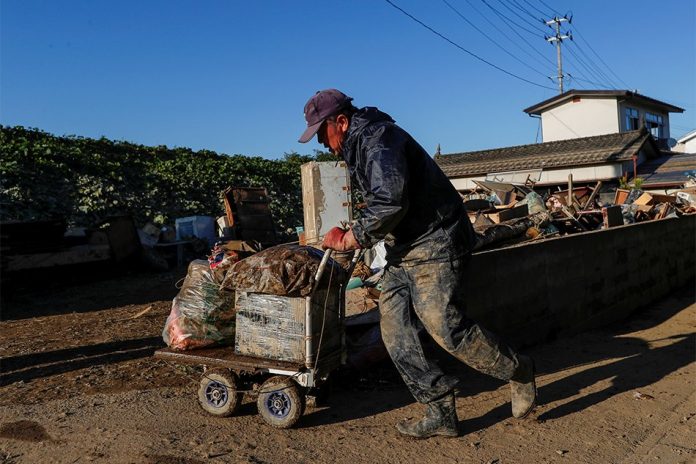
(284, 270)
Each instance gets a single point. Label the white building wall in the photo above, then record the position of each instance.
(466, 183)
(585, 117)
(555, 176)
(686, 144)
(690, 146)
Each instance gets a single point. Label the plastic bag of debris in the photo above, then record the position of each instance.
(284, 270)
(202, 313)
(534, 202)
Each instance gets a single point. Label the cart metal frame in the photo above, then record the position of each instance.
(310, 374)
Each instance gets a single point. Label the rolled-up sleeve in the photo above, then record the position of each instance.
(387, 193)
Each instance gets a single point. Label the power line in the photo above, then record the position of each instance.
(586, 80)
(491, 39)
(522, 8)
(592, 69)
(543, 14)
(564, 124)
(595, 66)
(572, 78)
(542, 2)
(586, 42)
(505, 18)
(600, 58)
(514, 42)
(589, 71)
(462, 48)
(541, 30)
(517, 33)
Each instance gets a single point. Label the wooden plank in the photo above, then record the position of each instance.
(570, 215)
(326, 198)
(590, 200)
(509, 213)
(223, 357)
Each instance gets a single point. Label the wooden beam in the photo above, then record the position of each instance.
(592, 195)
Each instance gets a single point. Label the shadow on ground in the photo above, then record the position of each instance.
(60, 292)
(44, 364)
(637, 366)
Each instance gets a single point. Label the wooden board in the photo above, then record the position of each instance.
(223, 357)
(508, 213)
(326, 198)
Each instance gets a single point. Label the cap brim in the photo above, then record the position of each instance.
(309, 132)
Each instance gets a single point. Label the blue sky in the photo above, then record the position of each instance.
(233, 76)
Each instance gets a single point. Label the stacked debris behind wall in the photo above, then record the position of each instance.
(504, 214)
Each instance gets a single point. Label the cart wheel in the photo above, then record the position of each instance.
(280, 402)
(217, 392)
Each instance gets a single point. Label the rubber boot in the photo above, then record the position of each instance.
(440, 419)
(523, 388)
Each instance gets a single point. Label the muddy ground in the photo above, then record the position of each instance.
(78, 384)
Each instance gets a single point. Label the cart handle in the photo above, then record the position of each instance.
(320, 270)
(325, 259)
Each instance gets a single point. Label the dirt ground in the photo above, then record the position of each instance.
(78, 384)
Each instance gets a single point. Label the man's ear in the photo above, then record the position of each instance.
(342, 122)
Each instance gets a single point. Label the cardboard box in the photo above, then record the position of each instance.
(360, 300)
(650, 199)
(505, 214)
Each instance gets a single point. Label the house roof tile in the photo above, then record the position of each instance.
(668, 169)
(584, 151)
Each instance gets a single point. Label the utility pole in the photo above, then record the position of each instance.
(558, 38)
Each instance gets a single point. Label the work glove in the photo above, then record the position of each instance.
(340, 240)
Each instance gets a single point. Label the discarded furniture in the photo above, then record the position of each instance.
(249, 215)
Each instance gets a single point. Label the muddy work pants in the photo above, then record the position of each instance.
(431, 295)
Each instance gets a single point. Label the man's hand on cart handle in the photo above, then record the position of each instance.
(340, 240)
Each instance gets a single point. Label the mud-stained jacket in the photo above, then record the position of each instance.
(410, 202)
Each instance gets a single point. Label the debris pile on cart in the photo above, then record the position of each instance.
(264, 292)
(282, 270)
(273, 288)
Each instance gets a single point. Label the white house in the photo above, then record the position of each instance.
(686, 144)
(585, 113)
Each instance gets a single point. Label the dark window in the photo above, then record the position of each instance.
(632, 119)
(655, 125)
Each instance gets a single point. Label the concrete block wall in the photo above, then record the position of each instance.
(530, 292)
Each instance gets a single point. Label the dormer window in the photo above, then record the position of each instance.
(654, 124)
(632, 119)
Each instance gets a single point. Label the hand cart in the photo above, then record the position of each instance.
(281, 386)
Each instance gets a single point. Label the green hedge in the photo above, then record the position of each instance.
(82, 180)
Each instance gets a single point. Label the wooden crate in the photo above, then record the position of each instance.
(273, 327)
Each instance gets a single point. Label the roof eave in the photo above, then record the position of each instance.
(561, 98)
